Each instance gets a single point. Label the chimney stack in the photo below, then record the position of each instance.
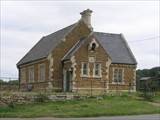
(86, 17)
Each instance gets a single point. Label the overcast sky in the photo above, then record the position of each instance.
(24, 23)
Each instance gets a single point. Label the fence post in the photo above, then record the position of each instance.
(129, 89)
(91, 87)
(0, 85)
(77, 86)
(104, 87)
(9, 84)
(117, 88)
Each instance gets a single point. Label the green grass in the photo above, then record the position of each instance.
(109, 106)
(157, 98)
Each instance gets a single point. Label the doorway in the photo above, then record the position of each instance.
(67, 79)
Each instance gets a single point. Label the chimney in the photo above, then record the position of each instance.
(86, 17)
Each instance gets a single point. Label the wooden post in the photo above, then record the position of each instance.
(91, 87)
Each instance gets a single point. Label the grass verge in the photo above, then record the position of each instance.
(109, 106)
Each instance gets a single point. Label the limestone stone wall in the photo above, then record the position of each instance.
(36, 83)
(129, 76)
(99, 56)
(80, 30)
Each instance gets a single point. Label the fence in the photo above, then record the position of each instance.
(87, 86)
(100, 87)
(9, 84)
(83, 86)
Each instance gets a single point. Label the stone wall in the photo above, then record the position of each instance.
(36, 83)
(53, 63)
(128, 77)
(80, 30)
(99, 56)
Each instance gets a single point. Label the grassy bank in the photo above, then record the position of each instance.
(108, 106)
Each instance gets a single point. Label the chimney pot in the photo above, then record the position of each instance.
(86, 17)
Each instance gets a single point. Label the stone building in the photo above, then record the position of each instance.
(78, 58)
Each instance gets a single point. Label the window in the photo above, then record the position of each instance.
(31, 74)
(118, 74)
(93, 46)
(41, 74)
(23, 75)
(84, 69)
(97, 70)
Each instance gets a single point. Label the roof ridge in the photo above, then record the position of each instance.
(60, 30)
(108, 33)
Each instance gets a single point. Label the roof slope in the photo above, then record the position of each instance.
(45, 46)
(116, 46)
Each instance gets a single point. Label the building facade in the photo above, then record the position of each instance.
(76, 58)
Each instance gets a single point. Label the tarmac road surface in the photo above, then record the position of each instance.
(132, 117)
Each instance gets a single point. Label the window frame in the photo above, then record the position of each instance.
(117, 80)
(41, 74)
(99, 70)
(82, 69)
(22, 75)
(31, 75)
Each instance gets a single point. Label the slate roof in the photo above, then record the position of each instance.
(117, 47)
(114, 44)
(45, 46)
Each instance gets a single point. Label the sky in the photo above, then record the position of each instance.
(23, 23)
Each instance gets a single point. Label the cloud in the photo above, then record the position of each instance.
(24, 23)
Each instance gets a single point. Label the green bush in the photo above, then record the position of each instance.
(11, 104)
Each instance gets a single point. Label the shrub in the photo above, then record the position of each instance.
(11, 104)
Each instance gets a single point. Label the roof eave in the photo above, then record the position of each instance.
(18, 65)
(124, 63)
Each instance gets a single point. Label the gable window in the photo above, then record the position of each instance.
(84, 69)
(118, 75)
(41, 72)
(23, 75)
(31, 74)
(97, 70)
(93, 47)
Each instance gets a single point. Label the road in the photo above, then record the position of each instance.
(133, 117)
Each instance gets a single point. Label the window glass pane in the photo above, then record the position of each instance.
(120, 75)
(85, 68)
(31, 74)
(97, 69)
(42, 72)
(117, 75)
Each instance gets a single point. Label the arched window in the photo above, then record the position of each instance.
(93, 47)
